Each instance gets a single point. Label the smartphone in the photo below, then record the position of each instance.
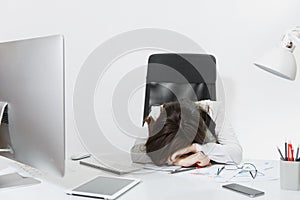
(244, 190)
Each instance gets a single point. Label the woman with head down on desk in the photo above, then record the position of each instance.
(187, 133)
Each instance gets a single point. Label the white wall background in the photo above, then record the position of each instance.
(264, 109)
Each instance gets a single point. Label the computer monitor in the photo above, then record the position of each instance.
(32, 83)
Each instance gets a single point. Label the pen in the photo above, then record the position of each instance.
(289, 151)
(292, 156)
(182, 170)
(282, 158)
(296, 158)
(219, 170)
(285, 149)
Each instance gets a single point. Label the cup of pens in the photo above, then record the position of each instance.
(289, 169)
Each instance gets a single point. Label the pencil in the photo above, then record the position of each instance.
(182, 170)
(282, 158)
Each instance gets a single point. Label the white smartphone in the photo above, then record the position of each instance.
(243, 190)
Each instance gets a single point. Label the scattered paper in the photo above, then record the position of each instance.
(265, 172)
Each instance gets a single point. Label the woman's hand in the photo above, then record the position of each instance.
(181, 152)
(197, 158)
(179, 158)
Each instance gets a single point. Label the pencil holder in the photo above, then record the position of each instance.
(289, 175)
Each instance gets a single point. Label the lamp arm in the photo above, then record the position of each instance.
(293, 35)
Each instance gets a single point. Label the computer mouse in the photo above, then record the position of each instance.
(80, 156)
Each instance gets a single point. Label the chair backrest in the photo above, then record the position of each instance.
(171, 77)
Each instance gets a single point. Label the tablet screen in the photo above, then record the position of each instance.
(104, 185)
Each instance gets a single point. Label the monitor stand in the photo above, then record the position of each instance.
(16, 180)
(7, 150)
(3, 112)
(11, 179)
(4, 137)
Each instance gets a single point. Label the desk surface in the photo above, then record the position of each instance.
(154, 185)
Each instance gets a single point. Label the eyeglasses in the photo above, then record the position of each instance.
(244, 168)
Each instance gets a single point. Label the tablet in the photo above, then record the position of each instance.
(104, 187)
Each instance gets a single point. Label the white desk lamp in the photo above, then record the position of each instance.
(281, 61)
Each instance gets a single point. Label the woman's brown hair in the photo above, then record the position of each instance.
(179, 124)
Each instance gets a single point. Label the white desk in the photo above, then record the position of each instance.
(154, 185)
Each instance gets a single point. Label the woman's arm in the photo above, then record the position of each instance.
(228, 148)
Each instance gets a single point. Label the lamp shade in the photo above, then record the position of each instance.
(279, 61)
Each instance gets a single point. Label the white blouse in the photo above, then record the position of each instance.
(228, 148)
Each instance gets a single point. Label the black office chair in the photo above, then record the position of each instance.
(171, 77)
